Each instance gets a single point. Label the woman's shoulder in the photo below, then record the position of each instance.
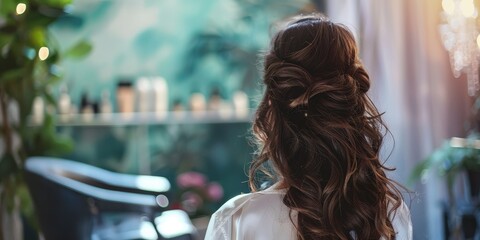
(238, 202)
(234, 204)
(242, 206)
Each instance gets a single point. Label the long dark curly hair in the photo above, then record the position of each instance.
(320, 133)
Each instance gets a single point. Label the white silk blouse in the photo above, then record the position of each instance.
(263, 216)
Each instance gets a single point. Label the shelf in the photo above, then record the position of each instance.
(152, 118)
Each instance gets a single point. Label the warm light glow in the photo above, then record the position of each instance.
(478, 40)
(457, 142)
(21, 7)
(43, 53)
(467, 7)
(459, 33)
(464, 143)
(448, 6)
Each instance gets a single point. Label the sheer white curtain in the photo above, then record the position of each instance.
(412, 83)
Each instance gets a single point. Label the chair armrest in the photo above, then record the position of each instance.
(105, 199)
(94, 176)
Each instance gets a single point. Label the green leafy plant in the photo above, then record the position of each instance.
(458, 155)
(29, 57)
(454, 156)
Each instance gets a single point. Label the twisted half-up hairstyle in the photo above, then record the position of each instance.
(321, 134)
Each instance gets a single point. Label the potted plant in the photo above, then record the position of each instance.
(29, 60)
(456, 156)
(453, 157)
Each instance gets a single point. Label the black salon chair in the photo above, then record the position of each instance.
(74, 200)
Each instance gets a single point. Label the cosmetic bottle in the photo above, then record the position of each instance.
(38, 110)
(240, 104)
(215, 101)
(143, 95)
(64, 104)
(106, 103)
(160, 92)
(178, 109)
(86, 108)
(197, 103)
(125, 97)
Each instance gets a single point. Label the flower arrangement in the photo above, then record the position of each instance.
(196, 195)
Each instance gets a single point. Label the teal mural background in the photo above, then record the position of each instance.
(197, 46)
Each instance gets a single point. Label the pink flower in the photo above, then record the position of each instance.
(191, 179)
(215, 191)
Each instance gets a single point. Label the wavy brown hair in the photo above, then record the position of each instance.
(321, 134)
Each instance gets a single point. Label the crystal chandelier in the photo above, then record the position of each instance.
(461, 38)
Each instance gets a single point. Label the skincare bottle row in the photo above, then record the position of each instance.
(146, 94)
